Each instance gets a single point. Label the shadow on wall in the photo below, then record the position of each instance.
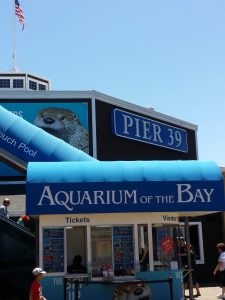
(17, 259)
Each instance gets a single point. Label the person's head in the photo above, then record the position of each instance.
(220, 247)
(77, 259)
(38, 273)
(181, 241)
(6, 202)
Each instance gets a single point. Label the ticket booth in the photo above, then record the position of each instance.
(108, 213)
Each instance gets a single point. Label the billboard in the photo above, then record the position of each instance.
(68, 121)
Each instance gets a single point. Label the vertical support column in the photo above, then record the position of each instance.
(187, 235)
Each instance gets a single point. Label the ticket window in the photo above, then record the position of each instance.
(143, 247)
(112, 250)
(165, 247)
(101, 245)
(76, 238)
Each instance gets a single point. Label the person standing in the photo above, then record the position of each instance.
(77, 266)
(194, 273)
(4, 208)
(221, 267)
(184, 264)
(35, 288)
(144, 262)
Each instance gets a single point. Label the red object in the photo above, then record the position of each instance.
(25, 218)
(19, 13)
(35, 290)
(167, 244)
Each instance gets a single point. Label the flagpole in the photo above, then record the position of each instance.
(14, 68)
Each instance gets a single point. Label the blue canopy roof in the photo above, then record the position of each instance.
(124, 186)
(21, 142)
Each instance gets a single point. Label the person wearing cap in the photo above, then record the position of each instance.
(4, 208)
(35, 288)
(22, 219)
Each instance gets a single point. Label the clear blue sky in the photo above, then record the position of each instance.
(169, 55)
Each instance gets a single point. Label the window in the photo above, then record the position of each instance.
(4, 83)
(32, 85)
(101, 244)
(41, 87)
(165, 246)
(143, 247)
(76, 238)
(112, 251)
(196, 239)
(18, 83)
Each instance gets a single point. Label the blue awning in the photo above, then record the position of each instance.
(22, 142)
(186, 187)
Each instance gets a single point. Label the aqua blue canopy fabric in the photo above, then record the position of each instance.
(22, 142)
(124, 186)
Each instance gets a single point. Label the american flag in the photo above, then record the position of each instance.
(19, 13)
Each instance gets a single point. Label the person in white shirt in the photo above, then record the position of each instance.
(4, 208)
(221, 267)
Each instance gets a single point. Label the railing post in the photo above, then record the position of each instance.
(76, 290)
(64, 287)
(171, 287)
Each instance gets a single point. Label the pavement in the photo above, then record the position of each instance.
(207, 293)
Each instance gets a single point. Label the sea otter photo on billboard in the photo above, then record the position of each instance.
(64, 124)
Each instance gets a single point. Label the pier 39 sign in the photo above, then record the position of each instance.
(135, 127)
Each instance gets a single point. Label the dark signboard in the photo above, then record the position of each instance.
(116, 197)
(174, 142)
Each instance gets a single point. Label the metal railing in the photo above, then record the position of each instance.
(16, 226)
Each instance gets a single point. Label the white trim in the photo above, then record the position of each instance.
(67, 95)
(200, 238)
(13, 182)
(94, 133)
(136, 246)
(150, 245)
(89, 248)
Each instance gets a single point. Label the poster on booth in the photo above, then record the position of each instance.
(53, 288)
(167, 245)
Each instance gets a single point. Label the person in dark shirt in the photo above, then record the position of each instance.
(184, 264)
(77, 266)
(144, 260)
(194, 273)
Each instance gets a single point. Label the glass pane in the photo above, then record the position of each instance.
(123, 248)
(76, 249)
(143, 247)
(17, 83)
(53, 250)
(195, 231)
(4, 83)
(101, 242)
(41, 87)
(165, 248)
(32, 85)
